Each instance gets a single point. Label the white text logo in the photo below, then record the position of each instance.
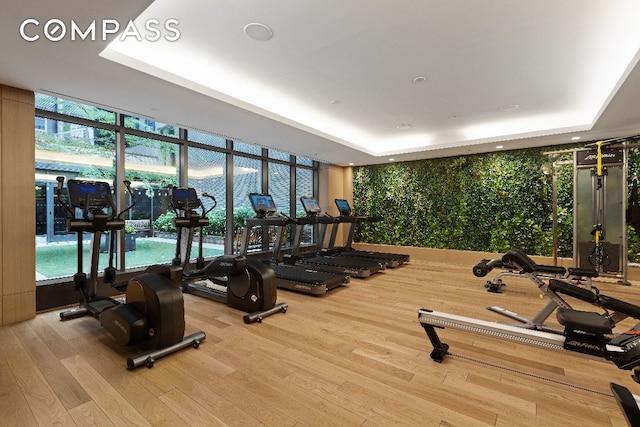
(55, 30)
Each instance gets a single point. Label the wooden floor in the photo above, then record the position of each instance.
(356, 356)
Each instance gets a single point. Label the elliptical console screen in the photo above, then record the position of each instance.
(184, 198)
(262, 203)
(343, 207)
(310, 205)
(88, 194)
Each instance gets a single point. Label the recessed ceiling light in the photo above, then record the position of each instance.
(404, 126)
(258, 31)
(419, 79)
(350, 163)
(508, 107)
(575, 138)
(392, 160)
(499, 147)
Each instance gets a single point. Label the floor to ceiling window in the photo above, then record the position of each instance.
(207, 175)
(73, 151)
(80, 141)
(151, 165)
(247, 179)
(304, 188)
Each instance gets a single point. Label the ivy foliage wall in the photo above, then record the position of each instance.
(488, 202)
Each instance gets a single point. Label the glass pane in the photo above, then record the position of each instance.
(206, 138)
(304, 187)
(280, 189)
(75, 109)
(247, 148)
(150, 125)
(72, 151)
(247, 178)
(280, 186)
(151, 166)
(304, 161)
(279, 155)
(207, 174)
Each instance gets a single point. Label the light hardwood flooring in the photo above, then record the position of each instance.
(356, 356)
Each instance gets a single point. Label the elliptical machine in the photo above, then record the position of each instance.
(152, 316)
(244, 284)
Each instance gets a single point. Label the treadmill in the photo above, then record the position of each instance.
(320, 260)
(391, 260)
(302, 279)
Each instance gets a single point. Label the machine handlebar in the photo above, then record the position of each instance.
(213, 199)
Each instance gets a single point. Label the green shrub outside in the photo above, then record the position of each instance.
(217, 221)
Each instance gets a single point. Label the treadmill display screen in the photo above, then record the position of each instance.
(310, 205)
(343, 207)
(262, 203)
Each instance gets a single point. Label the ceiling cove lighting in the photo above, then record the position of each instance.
(234, 84)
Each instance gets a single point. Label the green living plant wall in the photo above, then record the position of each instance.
(487, 202)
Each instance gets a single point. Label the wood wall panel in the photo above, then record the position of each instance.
(17, 207)
(1, 213)
(339, 185)
(19, 306)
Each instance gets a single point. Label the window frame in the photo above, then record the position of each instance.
(53, 293)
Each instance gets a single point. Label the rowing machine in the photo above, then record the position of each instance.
(586, 333)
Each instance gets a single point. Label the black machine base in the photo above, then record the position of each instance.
(152, 318)
(252, 289)
(257, 316)
(148, 358)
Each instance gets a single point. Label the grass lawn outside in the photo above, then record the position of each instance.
(56, 261)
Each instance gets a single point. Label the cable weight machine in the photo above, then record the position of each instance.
(599, 194)
(599, 205)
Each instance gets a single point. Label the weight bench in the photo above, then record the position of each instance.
(517, 263)
(552, 288)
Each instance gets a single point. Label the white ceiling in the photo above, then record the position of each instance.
(336, 80)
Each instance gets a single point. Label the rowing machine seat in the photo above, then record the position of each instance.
(588, 321)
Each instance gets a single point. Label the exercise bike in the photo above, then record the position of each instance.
(152, 316)
(243, 284)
